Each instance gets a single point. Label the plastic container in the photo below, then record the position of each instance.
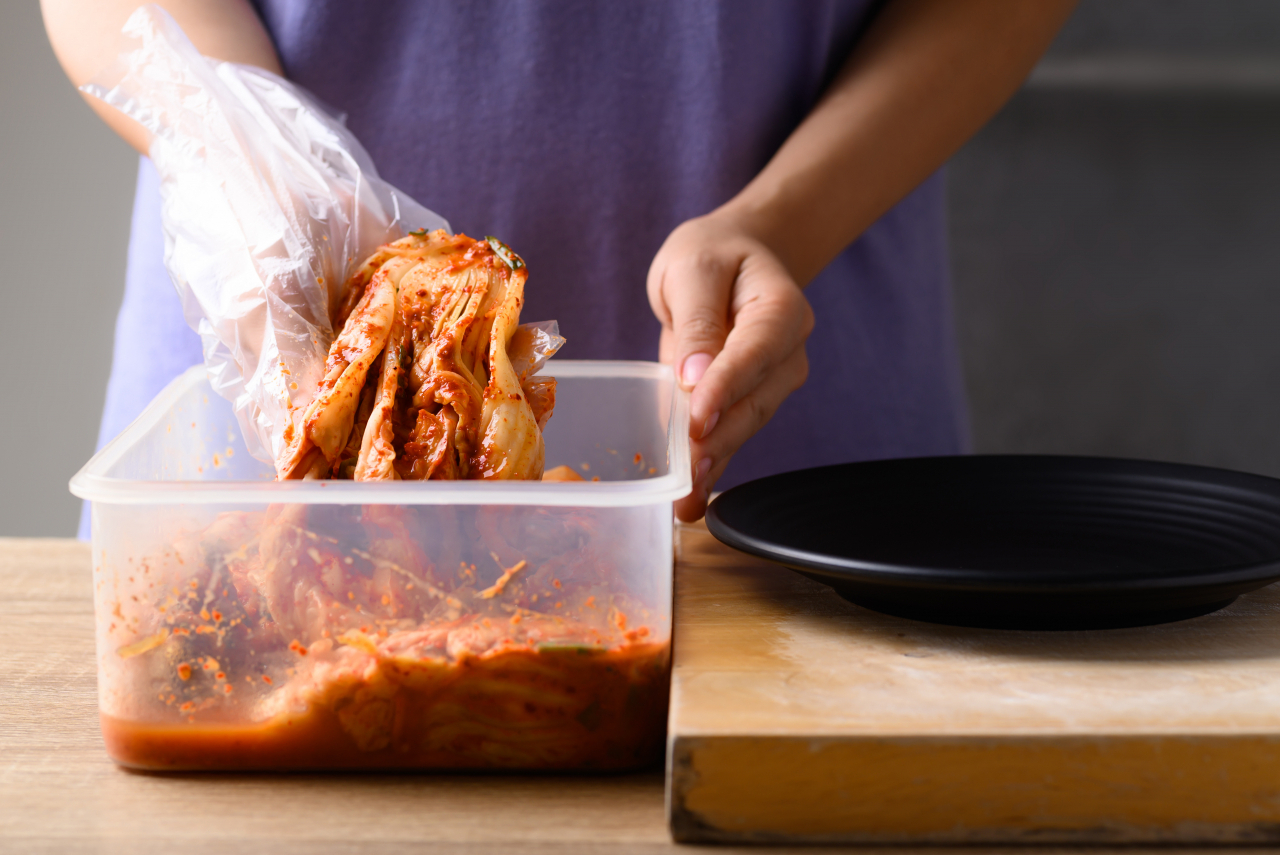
(244, 623)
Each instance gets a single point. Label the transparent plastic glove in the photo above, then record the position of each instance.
(267, 203)
(531, 347)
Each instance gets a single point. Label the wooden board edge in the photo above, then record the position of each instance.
(996, 790)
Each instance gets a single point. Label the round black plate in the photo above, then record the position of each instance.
(1016, 542)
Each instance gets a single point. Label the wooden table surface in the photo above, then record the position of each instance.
(60, 793)
(797, 716)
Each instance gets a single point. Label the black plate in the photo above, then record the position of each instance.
(1016, 542)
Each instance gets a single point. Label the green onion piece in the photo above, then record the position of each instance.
(504, 252)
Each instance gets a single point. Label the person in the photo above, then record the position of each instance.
(708, 181)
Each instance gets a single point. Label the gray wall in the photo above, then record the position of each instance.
(65, 195)
(1113, 228)
(1115, 241)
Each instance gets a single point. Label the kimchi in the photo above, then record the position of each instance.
(376, 636)
(428, 377)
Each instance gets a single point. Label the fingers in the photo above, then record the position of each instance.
(694, 506)
(734, 323)
(771, 319)
(712, 454)
(693, 292)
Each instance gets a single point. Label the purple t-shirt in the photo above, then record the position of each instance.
(582, 133)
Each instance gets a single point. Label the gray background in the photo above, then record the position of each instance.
(1115, 241)
(66, 190)
(1114, 250)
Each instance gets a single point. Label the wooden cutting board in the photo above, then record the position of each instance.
(797, 716)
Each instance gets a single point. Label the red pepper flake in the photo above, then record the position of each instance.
(653, 470)
(221, 675)
(227, 688)
(266, 679)
(555, 583)
(211, 664)
(297, 648)
(638, 458)
(350, 596)
(386, 601)
(188, 706)
(217, 615)
(559, 604)
(515, 619)
(591, 602)
(184, 671)
(204, 614)
(194, 584)
(621, 621)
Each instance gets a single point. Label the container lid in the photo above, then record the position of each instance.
(94, 483)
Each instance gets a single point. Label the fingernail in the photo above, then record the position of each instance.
(695, 365)
(700, 471)
(710, 424)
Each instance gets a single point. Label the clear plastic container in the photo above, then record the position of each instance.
(244, 623)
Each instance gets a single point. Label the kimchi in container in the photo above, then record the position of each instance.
(247, 623)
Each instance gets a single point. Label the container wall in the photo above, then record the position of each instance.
(195, 439)
(617, 428)
(430, 636)
(614, 429)
(270, 635)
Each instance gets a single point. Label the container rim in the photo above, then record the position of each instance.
(90, 483)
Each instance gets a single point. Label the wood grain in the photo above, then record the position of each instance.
(799, 716)
(60, 794)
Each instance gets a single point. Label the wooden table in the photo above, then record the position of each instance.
(797, 716)
(60, 793)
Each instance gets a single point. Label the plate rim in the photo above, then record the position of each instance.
(883, 574)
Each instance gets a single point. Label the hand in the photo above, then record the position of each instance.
(734, 323)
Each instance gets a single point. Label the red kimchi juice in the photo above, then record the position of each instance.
(349, 637)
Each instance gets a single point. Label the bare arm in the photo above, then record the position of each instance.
(85, 38)
(727, 286)
(929, 74)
